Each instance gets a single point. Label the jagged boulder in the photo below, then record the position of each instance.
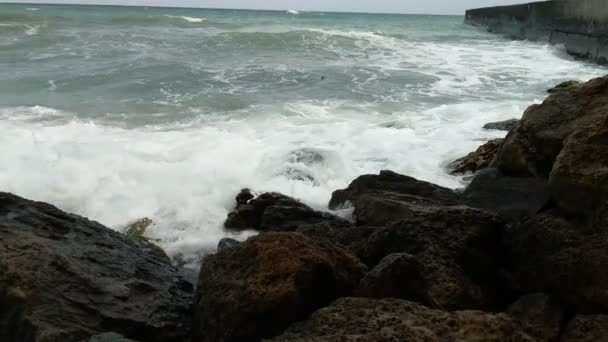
(256, 289)
(477, 160)
(530, 149)
(276, 212)
(65, 278)
(372, 320)
(389, 197)
(459, 249)
(579, 178)
(549, 254)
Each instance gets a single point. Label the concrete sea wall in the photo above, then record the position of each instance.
(580, 25)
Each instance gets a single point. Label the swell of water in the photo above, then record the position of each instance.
(123, 113)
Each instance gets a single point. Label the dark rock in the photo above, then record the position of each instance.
(398, 275)
(539, 316)
(531, 148)
(567, 85)
(587, 329)
(353, 238)
(478, 160)
(389, 197)
(514, 197)
(459, 248)
(109, 337)
(552, 255)
(243, 197)
(226, 243)
(579, 178)
(277, 212)
(373, 320)
(65, 278)
(268, 282)
(506, 125)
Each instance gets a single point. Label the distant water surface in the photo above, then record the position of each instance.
(119, 113)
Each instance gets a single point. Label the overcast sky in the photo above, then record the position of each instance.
(385, 6)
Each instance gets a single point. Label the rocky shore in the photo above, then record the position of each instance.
(519, 255)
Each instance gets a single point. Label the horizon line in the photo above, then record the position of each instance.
(220, 8)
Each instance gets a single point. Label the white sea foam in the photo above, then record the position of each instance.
(293, 12)
(32, 9)
(188, 19)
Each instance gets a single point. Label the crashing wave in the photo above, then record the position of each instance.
(293, 12)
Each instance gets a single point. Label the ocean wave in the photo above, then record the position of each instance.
(32, 9)
(188, 19)
(293, 12)
(28, 30)
(159, 20)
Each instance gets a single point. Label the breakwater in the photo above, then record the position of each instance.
(580, 25)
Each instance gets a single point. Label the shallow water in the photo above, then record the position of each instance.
(118, 113)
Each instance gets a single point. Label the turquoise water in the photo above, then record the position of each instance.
(118, 113)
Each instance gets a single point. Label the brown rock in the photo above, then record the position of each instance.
(459, 249)
(478, 160)
(531, 147)
(538, 315)
(398, 275)
(513, 197)
(579, 178)
(551, 255)
(374, 320)
(587, 329)
(258, 288)
(505, 125)
(277, 212)
(380, 200)
(567, 85)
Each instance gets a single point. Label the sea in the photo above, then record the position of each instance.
(121, 113)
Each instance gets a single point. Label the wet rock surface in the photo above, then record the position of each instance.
(389, 197)
(505, 125)
(514, 197)
(65, 278)
(275, 212)
(567, 85)
(481, 159)
(258, 288)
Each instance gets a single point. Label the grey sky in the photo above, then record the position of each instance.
(386, 6)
